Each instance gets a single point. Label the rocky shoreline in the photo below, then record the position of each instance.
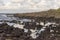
(40, 29)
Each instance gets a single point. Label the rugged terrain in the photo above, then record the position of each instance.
(46, 26)
(49, 13)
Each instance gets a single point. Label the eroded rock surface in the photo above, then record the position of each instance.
(45, 30)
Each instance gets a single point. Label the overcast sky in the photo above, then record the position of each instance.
(18, 6)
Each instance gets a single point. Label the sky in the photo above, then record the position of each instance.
(22, 6)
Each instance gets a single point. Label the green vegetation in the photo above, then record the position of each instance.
(49, 13)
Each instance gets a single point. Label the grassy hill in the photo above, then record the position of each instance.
(49, 13)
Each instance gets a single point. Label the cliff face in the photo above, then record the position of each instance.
(49, 13)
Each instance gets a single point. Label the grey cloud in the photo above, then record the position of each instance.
(30, 6)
